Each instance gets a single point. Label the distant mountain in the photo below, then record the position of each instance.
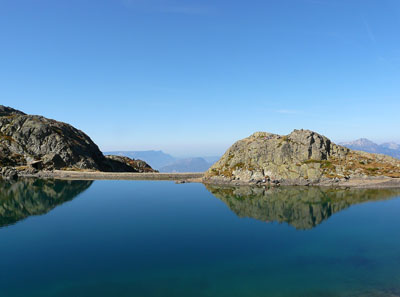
(391, 145)
(166, 163)
(212, 159)
(156, 159)
(187, 165)
(391, 149)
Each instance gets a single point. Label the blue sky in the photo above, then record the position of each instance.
(192, 77)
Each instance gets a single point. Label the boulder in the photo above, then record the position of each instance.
(9, 173)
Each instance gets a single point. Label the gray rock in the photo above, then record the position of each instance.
(45, 144)
(29, 141)
(303, 157)
(53, 161)
(24, 138)
(7, 111)
(125, 164)
(9, 173)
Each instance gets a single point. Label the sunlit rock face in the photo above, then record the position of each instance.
(300, 207)
(32, 142)
(301, 158)
(28, 138)
(29, 197)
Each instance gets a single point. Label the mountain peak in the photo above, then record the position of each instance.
(390, 148)
(359, 142)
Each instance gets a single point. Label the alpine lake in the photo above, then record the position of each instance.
(158, 238)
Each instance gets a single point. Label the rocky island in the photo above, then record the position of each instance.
(31, 144)
(303, 157)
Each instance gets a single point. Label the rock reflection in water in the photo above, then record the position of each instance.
(24, 198)
(301, 207)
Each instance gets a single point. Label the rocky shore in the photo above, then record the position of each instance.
(359, 183)
(97, 175)
(198, 177)
(35, 146)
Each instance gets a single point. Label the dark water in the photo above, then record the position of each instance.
(149, 238)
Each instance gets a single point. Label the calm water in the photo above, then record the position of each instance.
(149, 238)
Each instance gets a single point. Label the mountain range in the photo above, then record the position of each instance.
(164, 162)
(389, 148)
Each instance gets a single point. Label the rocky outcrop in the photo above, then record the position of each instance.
(300, 207)
(125, 164)
(301, 158)
(30, 142)
(29, 197)
(8, 111)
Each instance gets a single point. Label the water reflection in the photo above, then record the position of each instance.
(25, 198)
(301, 207)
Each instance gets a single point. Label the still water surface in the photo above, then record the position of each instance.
(152, 238)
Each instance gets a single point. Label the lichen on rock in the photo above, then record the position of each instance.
(301, 158)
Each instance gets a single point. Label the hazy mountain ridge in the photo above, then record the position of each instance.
(167, 163)
(156, 159)
(187, 165)
(389, 148)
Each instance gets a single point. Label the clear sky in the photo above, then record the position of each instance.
(192, 77)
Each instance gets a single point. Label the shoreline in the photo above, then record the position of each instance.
(95, 175)
(377, 183)
(360, 183)
(197, 177)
